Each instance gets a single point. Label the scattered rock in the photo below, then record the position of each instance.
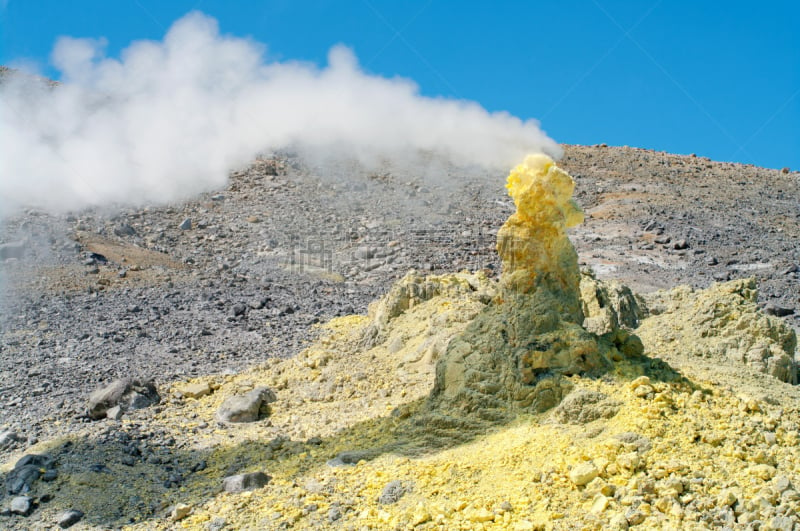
(334, 513)
(582, 406)
(123, 230)
(21, 505)
(391, 493)
(243, 482)
(583, 473)
(186, 224)
(128, 393)
(365, 253)
(69, 518)
(249, 407)
(778, 311)
(196, 390)
(180, 512)
(8, 438)
(26, 471)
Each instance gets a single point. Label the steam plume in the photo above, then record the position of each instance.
(169, 119)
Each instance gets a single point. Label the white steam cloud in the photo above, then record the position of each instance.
(169, 119)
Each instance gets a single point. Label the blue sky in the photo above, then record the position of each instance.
(719, 79)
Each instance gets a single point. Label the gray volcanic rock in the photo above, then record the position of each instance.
(26, 471)
(21, 505)
(243, 482)
(69, 518)
(127, 393)
(249, 407)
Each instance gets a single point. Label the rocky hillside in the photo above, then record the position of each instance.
(220, 302)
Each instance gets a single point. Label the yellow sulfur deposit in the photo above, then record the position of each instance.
(514, 355)
(533, 242)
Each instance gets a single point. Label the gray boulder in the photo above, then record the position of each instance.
(249, 407)
(127, 393)
(243, 482)
(26, 471)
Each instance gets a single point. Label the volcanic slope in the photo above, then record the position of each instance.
(685, 445)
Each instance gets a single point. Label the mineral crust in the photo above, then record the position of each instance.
(514, 355)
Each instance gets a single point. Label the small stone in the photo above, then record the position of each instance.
(334, 513)
(599, 505)
(124, 230)
(481, 515)
(782, 483)
(635, 517)
(765, 472)
(583, 473)
(726, 498)
(629, 461)
(238, 309)
(196, 390)
(216, 523)
(781, 523)
(365, 253)
(243, 482)
(794, 268)
(663, 240)
(115, 413)
(680, 244)
(69, 518)
(643, 391)
(8, 438)
(21, 505)
(391, 493)
(180, 512)
(618, 522)
(186, 224)
(778, 311)
(420, 516)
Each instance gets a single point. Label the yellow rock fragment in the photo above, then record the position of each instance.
(765, 472)
(480, 515)
(583, 473)
(420, 516)
(599, 504)
(196, 390)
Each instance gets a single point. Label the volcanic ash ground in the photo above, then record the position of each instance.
(547, 399)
